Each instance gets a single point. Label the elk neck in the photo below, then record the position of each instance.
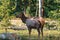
(24, 19)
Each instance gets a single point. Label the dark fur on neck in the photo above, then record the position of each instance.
(23, 19)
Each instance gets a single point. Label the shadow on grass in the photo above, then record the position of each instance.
(34, 37)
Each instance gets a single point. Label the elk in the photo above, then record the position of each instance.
(32, 23)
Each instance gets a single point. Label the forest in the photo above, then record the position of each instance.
(10, 8)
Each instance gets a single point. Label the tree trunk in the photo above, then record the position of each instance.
(40, 8)
(36, 9)
(24, 10)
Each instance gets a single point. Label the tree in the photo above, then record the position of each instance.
(51, 8)
(6, 11)
(8, 8)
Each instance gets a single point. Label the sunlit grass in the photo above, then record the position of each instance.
(48, 35)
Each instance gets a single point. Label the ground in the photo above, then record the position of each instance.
(48, 34)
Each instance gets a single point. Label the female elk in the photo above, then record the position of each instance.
(35, 23)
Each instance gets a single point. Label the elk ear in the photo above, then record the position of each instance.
(17, 15)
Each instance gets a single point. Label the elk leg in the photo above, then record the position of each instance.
(38, 34)
(29, 33)
(42, 32)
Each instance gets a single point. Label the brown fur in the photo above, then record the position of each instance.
(33, 23)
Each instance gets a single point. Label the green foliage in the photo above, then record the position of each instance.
(9, 7)
(52, 8)
(6, 10)
(28, 6)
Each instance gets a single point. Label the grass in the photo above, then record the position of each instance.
(48, 35)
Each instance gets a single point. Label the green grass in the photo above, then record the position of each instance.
(48, 35)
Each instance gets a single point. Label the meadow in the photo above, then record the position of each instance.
(48, 34)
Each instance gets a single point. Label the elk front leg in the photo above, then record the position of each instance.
(29, 33)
